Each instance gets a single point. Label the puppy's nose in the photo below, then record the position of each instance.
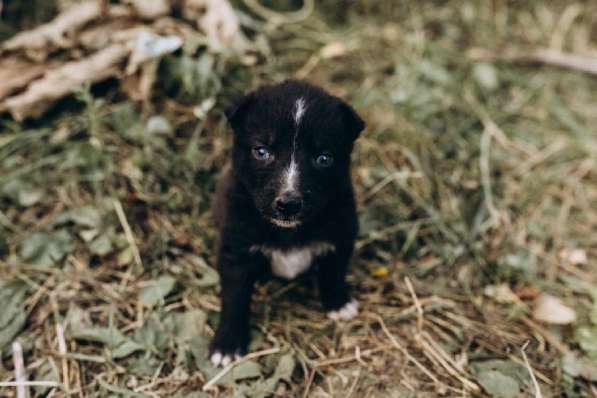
(289, 203)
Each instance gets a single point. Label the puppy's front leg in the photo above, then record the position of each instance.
(237, 279)
(333, 289)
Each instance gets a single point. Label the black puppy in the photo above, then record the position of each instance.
(287, 203)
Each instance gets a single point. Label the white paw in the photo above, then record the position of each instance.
(346, 313)
(219, 359)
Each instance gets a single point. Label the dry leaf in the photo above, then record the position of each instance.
(150, 46)
(16, 74)
(150, 9)
(216, 18)
(333, 50)
(574, 256)
(64, 80)
(501, 293)
(59, 33)
(550, 309)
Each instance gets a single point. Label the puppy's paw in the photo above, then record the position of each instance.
(346, 312)
(219, 359)
(224, 350)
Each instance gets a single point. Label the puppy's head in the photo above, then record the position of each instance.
(292, 146)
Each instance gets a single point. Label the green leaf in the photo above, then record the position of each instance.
(86, 216)
(158, 125)
(284, 370)
(120, 345)
(45, 250)
(12, 329)
(486, 76)
(108, 336)
(285, 367)
(498, 385)
(577, 366)
(587, 339)
(46, 372)
(13, 317)
(126, 348)
(30, 196)
(101, 246)
(188, 325)
(157, 291)
(244, 370)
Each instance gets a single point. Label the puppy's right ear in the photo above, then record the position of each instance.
(236, 113)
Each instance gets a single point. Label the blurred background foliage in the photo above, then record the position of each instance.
(475, 176)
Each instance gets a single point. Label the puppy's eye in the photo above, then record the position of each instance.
(324, 160)
(261, 153)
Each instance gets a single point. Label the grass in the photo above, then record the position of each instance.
(476, 180)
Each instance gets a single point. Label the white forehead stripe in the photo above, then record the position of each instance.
(300, 106)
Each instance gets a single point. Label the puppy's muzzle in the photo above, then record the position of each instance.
(289, 204)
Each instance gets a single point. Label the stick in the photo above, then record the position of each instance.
(409, 285)
(406, 353)
(128, 232)
(545, 56)
(228, 367)
(20, 372)
(63, 351)
(528, 365)
(23, 384)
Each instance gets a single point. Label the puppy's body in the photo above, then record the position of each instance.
(286, 205)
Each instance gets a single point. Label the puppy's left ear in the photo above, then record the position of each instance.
(237, 111)
(352, 121)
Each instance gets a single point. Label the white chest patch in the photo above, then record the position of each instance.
(289, 263)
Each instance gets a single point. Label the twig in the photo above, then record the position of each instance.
(406, 353)
(128, 232)
(484, 165)
(227, 368)
(20, 372)
(530, 369)
(438, 353)
(354, 357)
(551, 339)
(17, 384)
(418, 305)
(280, 18)
(545, 56)
(63, 351)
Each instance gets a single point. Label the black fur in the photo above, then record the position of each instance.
(246, 193)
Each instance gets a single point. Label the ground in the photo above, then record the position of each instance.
(475, 265)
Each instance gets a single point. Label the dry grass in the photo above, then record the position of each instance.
(474, 176)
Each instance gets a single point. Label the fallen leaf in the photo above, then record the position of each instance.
(85, 216)
(244, 370)
(587, 339)
(501, 293)
(149, 46)
(219, 22)
(550, 309)
(13, 316)
(380, 271)
(46, 250)
(499, 385)
(101, 246)
(64, 80)
(574, 256)
(16, 74)
(334, 49)
(486, 76)
(576, 366)
(150, 9)
(59, 33)
(157, 291)
(120, 345)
